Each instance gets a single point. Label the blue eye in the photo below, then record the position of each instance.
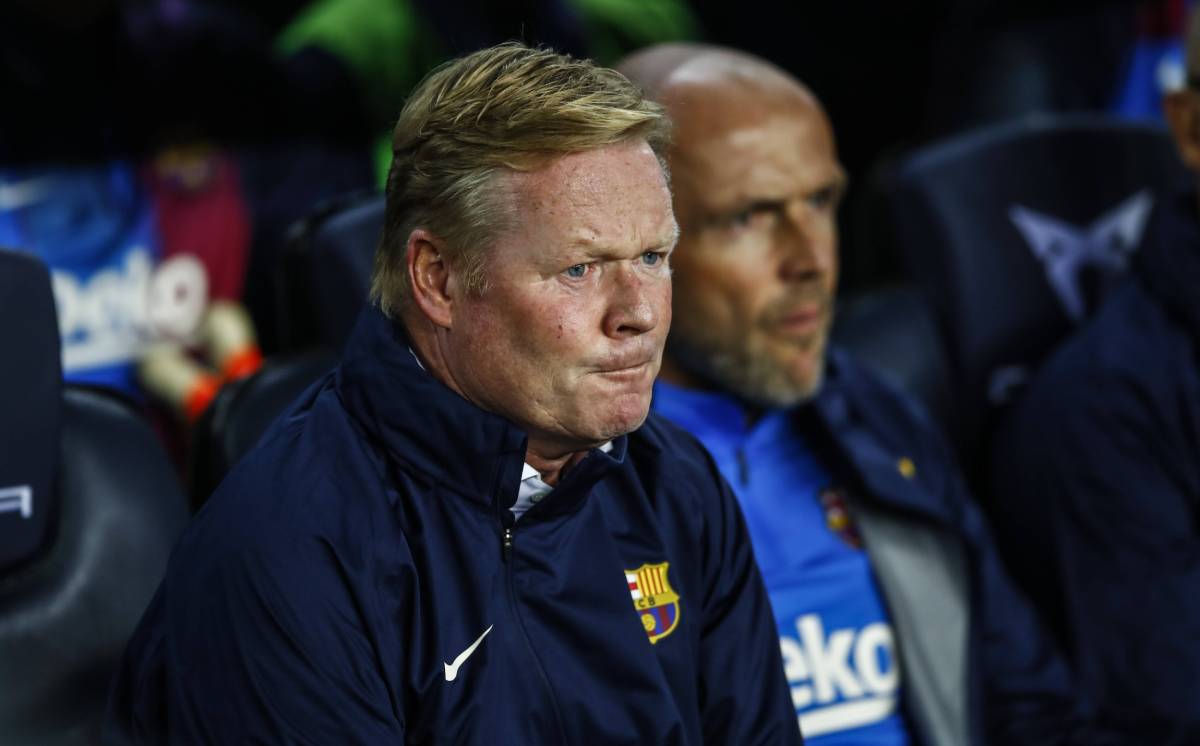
(577, 271)
(652, 258)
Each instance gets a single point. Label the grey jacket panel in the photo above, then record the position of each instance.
(922, 572)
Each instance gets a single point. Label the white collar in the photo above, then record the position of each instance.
(533, 489)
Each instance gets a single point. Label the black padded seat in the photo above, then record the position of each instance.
(112, 508)
(65, 617)
(893, 330)
(327, 271)
(1015, 233)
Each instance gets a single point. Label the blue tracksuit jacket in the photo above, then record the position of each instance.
(358, 579)
(977, 666)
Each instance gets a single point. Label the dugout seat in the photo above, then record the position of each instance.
(89, 510)
(1014, 233)
(893, 330)
(327, 271)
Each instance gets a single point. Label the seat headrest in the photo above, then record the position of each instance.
(30, 407)
(330, 258)
(894, 331)
(1016, 231)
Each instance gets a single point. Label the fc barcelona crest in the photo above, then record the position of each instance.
(656, 603)
(837, 515)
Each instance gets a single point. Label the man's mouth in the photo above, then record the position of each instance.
(802, 321)
(626, 369)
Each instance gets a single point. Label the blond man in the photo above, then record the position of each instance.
(469, 532)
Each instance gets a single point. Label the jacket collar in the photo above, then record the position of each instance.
(425, 425)
(862, 435)
(1169, 262)
(842, 425)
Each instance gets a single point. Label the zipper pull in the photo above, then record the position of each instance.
(508, 532)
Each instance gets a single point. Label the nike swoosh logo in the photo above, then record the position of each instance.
(452, 668)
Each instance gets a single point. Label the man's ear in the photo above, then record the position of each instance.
(1182, 111)
(433, 289)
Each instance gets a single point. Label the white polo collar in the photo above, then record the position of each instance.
(533, 490)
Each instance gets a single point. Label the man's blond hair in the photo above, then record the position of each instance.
(509, 107)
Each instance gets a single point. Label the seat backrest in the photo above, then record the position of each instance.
(893, 331)
(327, 271)
(1017, 231)
(242, 411)
(115, 508)
(30, 408)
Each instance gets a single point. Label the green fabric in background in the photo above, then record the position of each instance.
(617, 27)
(387, 46)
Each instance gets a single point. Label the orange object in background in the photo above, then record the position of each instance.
(172, 376)
(227, 336)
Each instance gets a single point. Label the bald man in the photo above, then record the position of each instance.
(1106, 500)
(896, 621)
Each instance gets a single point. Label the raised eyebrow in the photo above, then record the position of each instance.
(591, 251)
(586, 250)
(774, 204)
(764, 203)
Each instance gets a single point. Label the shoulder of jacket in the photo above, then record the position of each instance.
(877, 400)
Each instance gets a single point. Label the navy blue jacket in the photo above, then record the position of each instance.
(329, 587)
(1098, 474)
(978, 667)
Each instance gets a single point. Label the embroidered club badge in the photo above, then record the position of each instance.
(656, 603)
(837, 516)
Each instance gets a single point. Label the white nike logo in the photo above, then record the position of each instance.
(452, 668)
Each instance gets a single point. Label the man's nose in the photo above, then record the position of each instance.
(635, 303)
(806, 244)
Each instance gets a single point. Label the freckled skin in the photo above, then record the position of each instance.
(572, 359)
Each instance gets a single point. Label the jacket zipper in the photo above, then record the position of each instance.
(507, 544)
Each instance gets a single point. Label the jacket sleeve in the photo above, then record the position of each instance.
(744, 696)
(1110, 482)
(1027, 691)
(261, 645)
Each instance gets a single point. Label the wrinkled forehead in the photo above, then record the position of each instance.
(612, 195)
(590, 179)
(732, 136)
(716, 96)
